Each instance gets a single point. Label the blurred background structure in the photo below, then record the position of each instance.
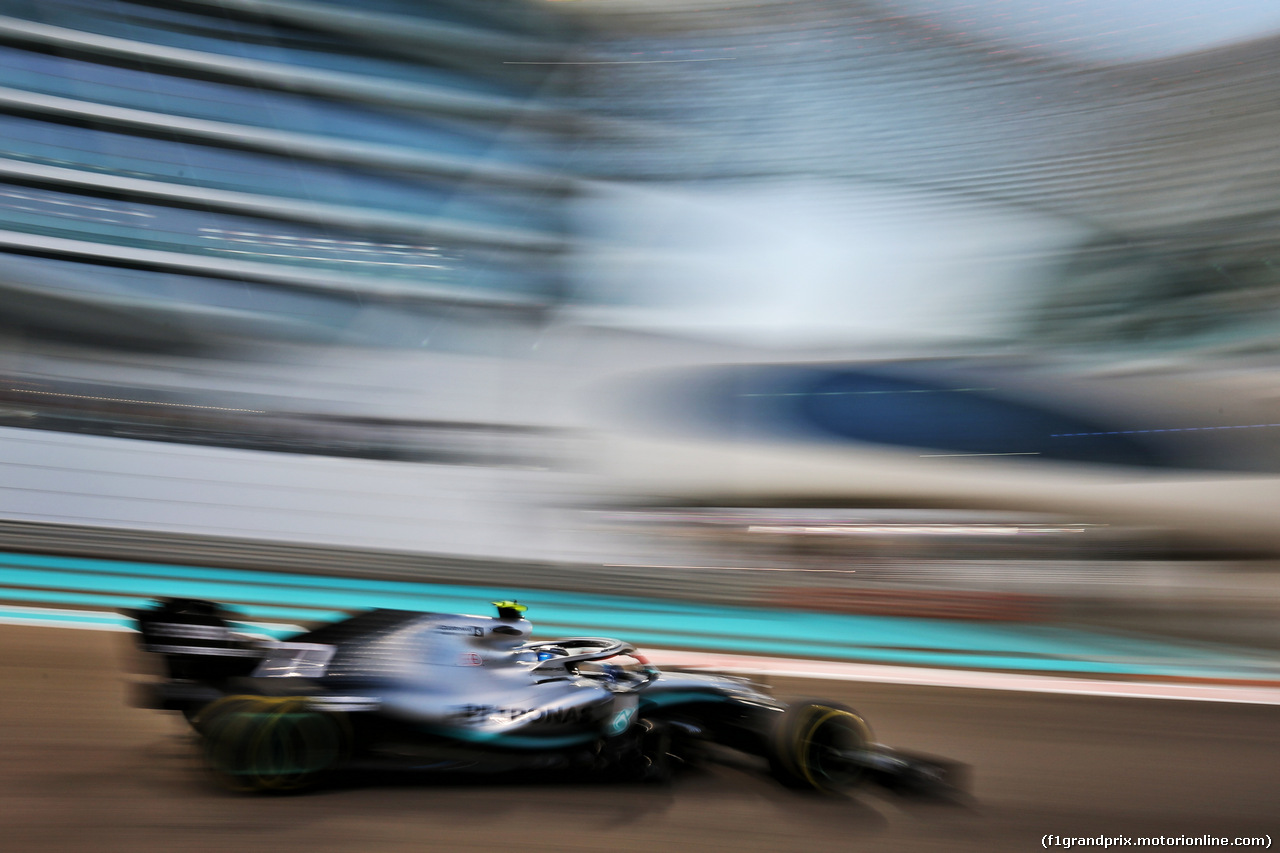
(885, 306)
(188, 173)
(1094, 183)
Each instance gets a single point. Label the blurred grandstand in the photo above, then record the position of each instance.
(398, 234)
(1155, 179)
(177, 174)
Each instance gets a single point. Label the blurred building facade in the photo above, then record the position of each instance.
(407, 173)
(179, 172)
(1145, 189)
(447, 178)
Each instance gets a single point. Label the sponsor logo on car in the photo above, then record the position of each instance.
(620, 721)
(492, 713)
(470, 630)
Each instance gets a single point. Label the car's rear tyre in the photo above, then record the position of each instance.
(815, 745)
(262, 743)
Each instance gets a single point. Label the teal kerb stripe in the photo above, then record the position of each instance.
(732, 627)
(248, 578)
(626, 617)
(48, 596)
(659, 622)
(71, 617)
(67, 617)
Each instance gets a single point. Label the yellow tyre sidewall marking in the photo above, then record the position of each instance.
(249, 753)
(806, 740)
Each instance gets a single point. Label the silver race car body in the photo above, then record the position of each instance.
(456, 692)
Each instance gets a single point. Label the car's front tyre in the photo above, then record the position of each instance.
(817, 746)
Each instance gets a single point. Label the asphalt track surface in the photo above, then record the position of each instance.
(80, 770)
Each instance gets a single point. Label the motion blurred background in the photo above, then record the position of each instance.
(936, 339)
(911, 307)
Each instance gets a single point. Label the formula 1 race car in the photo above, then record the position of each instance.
(445, 692)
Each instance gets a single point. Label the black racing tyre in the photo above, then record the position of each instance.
(811, 746)
(263, 743)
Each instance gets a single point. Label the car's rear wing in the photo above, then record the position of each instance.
(195, 639)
